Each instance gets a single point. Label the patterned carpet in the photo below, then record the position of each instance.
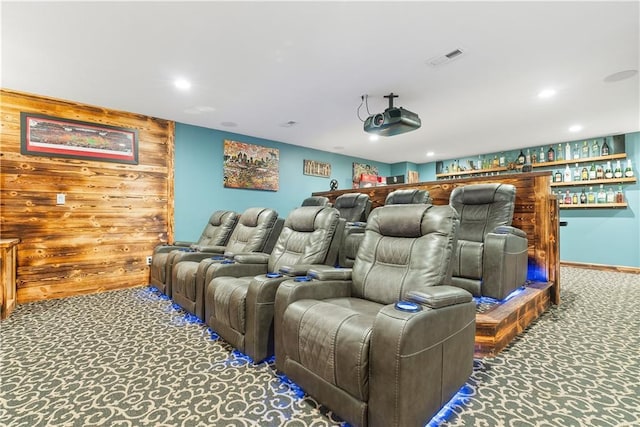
(128, 358)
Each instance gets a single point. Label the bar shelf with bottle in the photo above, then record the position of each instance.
(631, 180)
(476, 172)
(594, 205)
(581, 160)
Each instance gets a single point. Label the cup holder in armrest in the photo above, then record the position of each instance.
(273, 275)
(408, 306)
(302, 279)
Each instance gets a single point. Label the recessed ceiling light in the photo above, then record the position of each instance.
(289, 124)
(546, 93)
(182, 84)
(575, 128)
(621, 75)
(430, 154)
(373, 137)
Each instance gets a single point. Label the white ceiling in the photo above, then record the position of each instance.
(262, 64)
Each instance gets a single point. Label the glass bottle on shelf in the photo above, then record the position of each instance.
(617, 173)
(567, 174)
(591, 196)
(611, 196)
(584, 174)
(628, 171)
(527, 158)
(574, 199)
(503, 160)
(541, 156)
(567, 198)
(496, 162)
(599, 172)
(592, 171)
(534, 157)
(567, 152)
(608, 172)
(583, 197)
(602, 196)
(576, 173)
(559, 153)
(619, 195)
(595, 149)
(557, 177)
(576, 151)
(521, 158)
(585, 150)
(551, 154)
(605, 149)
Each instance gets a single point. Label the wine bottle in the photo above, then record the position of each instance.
(611, 196)
(584, 174)
(521, 158)
(595, 149)
(551, 154)
(619, 195)
(592, 171)
(557, 177)
(559, 153)
(567, 152)
(605, 149)
(602, 196)
(585, 150)
(608, 173)
(567, 174)
(591, 197)
(583, 197)
(628, 171)
(617, 173)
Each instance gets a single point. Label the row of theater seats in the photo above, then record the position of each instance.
(341, 333)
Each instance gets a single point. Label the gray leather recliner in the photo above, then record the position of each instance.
(491, 256)
(240, 308)
(316, 201)
(408, 197)
(342, 339)
(216, 233)
(354, 208)
(257, 231)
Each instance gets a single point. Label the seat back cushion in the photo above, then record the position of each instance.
(316, 201)
(407, 197)
(353, 207)
(218, 229)
(405, 248)
(482, 208)
(305, 237)
(253, 230)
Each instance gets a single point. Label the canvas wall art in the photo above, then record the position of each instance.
(250, 166)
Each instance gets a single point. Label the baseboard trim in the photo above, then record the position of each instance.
(603, 267)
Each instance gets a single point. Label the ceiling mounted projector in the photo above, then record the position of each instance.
(393, 121)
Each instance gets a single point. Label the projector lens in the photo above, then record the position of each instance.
(378, 120)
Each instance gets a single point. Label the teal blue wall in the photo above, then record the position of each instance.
(199, 186)
(599, 236)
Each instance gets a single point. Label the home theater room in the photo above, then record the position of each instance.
(319, 213)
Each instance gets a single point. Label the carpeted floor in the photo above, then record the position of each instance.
(128, 358)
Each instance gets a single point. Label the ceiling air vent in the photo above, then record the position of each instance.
(444, 59)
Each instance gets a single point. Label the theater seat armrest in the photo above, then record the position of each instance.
(291, 291)
(330, 273)
(210, 249)
(193, 256)
(440, 296)
(506, 229)
(251, 258)
(300, 269)
(182, 243)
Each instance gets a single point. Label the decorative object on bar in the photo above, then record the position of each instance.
(250, 166)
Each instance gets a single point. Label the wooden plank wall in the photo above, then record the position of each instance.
(535, 213)
(114, 213)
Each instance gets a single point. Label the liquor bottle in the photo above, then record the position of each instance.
(551, 154)
(595, 149)
(617, 173)
(503, 161)
(567, 174)
(527, 158)
(560, 198)
(628, 171)
(585, 150)
(559, 153)
(521, 158)
(602, 196)
(576, 151)
(567, 152)
(541, 156)
(574, 199)
(599, 172)
(605, 149)
(567, 198)
(584, 174)
(611, 196)
(619, 195)
(557, 177)
(534, 158)
(592, 171)
(591, 197)
(496, 162)
(583, 197)
(608, 173)
(576, 173)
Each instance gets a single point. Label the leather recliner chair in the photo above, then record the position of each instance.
(408, 197)
(240, 309)
(342, 338)
(491, 256)
(316, 201)
(257, 231)
(354, 208)
(216, 233)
